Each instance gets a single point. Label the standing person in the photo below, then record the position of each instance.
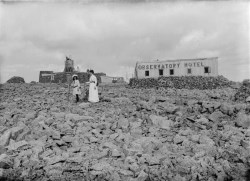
(76, 87)
(93, 91)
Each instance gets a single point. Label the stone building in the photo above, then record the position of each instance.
(181, 67)
(69, 70)
(108, 79)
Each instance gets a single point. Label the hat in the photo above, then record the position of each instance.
(74, 76)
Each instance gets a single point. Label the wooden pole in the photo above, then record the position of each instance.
(68, 86)
(68, 80)
(50, 82)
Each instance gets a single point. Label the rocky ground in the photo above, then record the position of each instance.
(131, 134)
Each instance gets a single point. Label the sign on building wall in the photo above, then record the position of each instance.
(169, 65)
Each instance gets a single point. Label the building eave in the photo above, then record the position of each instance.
(178, 60)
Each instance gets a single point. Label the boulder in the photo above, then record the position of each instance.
(242, 93)
(123, 123)
(216, 105)
(116, 153)
(77, 117)
(30, 115)
(168, 108)
(16, 79)
(84, 105)
(161, 122)
(16, 131)
(245, 144)
(6, 162)
(147, 143)
(179, 139)
(202, 120)
(246, 82)
(227, 109)
(248, 132)
(136, 124)
(5, 138)
(215, 116)
(144, 105)
(243, 120)
(1, 172)
(195, 138)
(2, 149)
(109, 145)
(204, 139)
(17, 145)
(56, 159)
(3, 105)
(58, 115)
(68, 139)
(102, 166)
(207, 104)
(142, 176)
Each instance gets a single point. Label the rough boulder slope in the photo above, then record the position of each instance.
(16, 79)
(130, 135)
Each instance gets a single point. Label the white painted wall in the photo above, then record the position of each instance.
(180, 67)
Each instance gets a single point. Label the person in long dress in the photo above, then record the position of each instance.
(93, 89)
(76, 87)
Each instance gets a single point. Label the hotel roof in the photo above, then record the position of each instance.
(175, 60)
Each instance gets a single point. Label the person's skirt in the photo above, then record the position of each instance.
(93, 94)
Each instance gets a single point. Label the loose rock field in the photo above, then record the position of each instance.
(131, 134)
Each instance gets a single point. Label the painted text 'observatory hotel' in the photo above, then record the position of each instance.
(181, 67)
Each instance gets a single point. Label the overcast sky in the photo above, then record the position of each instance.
(111, 37)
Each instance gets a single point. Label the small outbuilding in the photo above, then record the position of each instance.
(108, 79)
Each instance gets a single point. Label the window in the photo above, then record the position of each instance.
(189, 71)
(161, 72)
(171, 71)
(147, 73)
(207, 70)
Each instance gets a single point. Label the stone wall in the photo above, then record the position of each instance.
(45, 79)
(61, 77)
(182, 82)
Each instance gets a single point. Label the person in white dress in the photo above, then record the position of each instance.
(76, 87)
(93, 89)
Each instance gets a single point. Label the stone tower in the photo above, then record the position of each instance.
(69, 65)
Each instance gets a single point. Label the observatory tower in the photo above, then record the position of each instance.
(69, 65)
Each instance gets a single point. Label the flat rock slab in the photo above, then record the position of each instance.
(56, 159)
(248, 99)
(77, 117)
(17, 145)
(84, 105)
(5, 161)
(215, 116)
(5, 138)
(16, 131)
(169, 108)
(161, 122)
(102, 166)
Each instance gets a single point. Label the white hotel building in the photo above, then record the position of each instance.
(179, 67)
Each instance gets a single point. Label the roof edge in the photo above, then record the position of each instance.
(190, 59)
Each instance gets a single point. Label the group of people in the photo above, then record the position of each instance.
(93, 89)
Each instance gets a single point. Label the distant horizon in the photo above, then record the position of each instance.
(126, 72)
(112, 37)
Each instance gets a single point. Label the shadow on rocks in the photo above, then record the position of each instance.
(248, 175)
(10, 179)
